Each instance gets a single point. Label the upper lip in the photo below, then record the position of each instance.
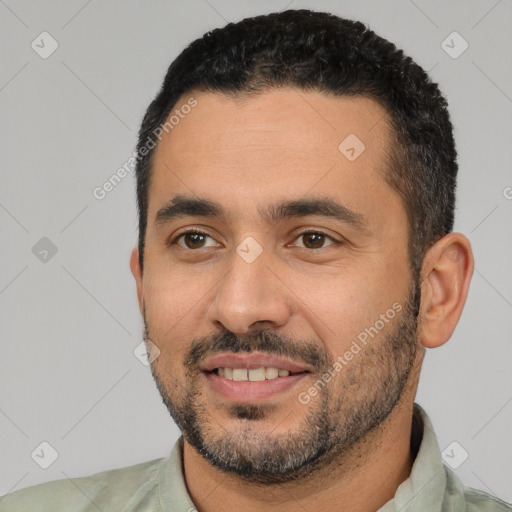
(252, 361)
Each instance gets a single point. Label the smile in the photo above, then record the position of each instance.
(252, 375)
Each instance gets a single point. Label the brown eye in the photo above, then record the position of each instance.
(193, 240)
(314, 239)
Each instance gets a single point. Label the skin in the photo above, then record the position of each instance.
(246, 153)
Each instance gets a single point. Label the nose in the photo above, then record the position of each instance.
(251, 295)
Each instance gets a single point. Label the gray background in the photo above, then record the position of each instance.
(70, 324)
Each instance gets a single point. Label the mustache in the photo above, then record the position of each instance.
(265, 341)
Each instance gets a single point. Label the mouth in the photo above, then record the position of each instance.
(252, 377)
(253, 374)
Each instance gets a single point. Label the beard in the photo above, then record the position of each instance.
(345, 411)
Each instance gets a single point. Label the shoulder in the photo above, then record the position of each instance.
(460, 497)
(479, 501)
(108, 490)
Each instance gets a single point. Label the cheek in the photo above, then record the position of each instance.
(344, 308)
(171, 296)
(348, 304)
(172, 305)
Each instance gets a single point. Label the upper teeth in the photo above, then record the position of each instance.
(255, 374)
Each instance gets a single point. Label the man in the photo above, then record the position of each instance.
(296, 184)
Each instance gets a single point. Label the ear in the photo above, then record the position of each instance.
(137, 274)
(446, 273)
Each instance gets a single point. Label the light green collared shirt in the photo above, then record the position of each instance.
(159, 486)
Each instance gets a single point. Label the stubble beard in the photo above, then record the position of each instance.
(357, 400)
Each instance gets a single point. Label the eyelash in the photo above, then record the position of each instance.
(306, 232)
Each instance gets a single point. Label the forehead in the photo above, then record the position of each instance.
(281, 142)
(275, 119)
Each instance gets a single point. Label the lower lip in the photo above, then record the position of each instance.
(250, 392)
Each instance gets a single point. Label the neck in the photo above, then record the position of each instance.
(363, 481)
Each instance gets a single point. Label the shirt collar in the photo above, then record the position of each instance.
(425, 487)
(172, 488)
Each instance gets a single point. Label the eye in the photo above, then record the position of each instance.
(193, 240)
(198, 240)
(314, 239)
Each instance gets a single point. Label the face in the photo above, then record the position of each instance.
(276, 279)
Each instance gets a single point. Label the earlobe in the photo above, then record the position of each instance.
(137, 274)
(447, 270)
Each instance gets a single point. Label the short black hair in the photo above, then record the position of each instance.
(323, 52)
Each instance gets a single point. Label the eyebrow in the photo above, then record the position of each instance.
(183, 206)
